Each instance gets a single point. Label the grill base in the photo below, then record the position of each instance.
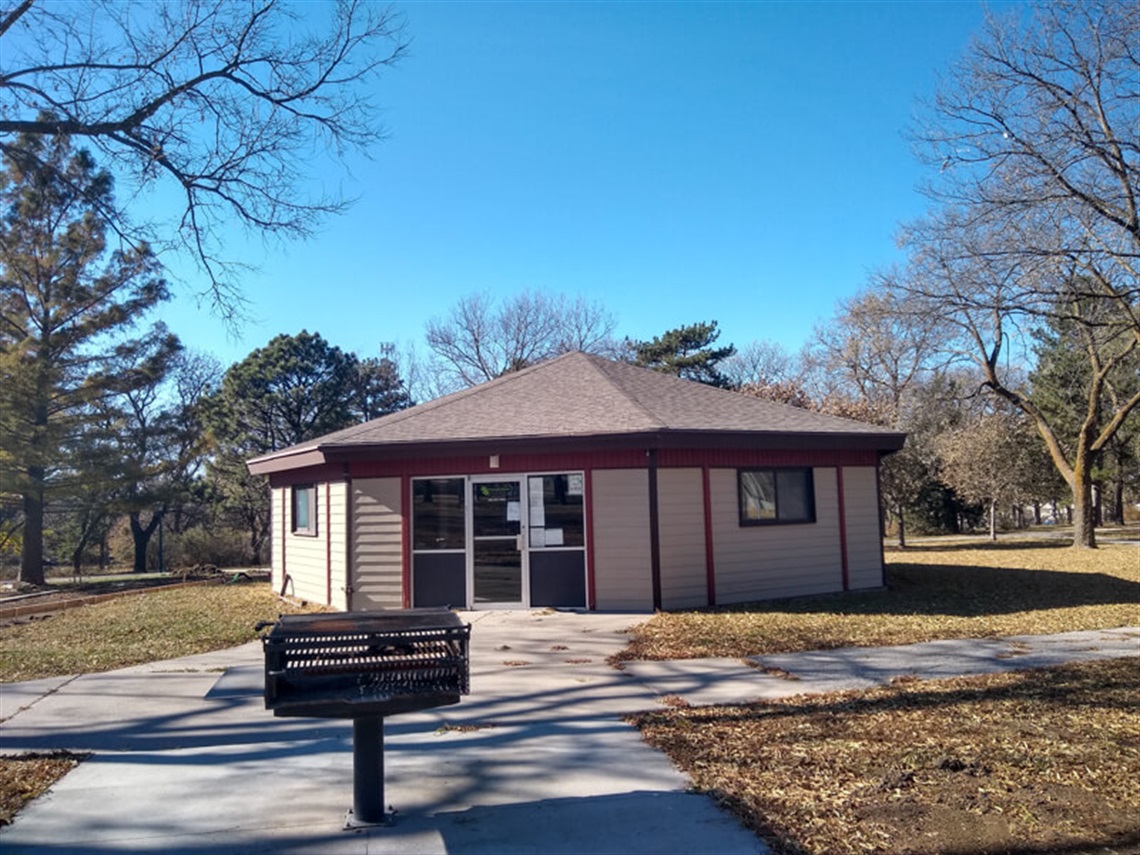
(367, 774)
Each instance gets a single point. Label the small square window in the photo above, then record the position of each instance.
(775, 496)
(305, 509)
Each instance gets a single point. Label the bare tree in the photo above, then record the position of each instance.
(760, 364)
(876, 362)
(1038, 123)
(227, 101)
(1036, 137)
(481, 339)
(988, 460)
(875, 351)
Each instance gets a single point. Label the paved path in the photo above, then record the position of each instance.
(735, 681)
(536, 759)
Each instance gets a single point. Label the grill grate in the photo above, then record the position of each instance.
(371, 658)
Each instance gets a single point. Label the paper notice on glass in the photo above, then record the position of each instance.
(537, 538)
(537, 489)
(537, 502)
(554, 537)
(514, 511)
(575, 485)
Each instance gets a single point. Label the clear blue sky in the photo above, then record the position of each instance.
(739, 162)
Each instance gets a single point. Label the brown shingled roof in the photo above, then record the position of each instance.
(578, 395)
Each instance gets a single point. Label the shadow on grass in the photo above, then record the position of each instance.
(962, 591)
(981, 546)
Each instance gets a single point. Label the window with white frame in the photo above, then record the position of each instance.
(304, 501)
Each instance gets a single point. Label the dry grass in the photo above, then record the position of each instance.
(29, 776)
(160, 624)
(932, 592)
(1032, 762)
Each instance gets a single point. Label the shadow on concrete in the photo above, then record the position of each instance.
(647, 822)
(232, 714)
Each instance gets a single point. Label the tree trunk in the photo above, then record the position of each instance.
(32, 548)
(1037, 513)
(1083, 516)
(77, 553)
(1118, 498)
(89, 522)
(902, 529)
(993, 520)
(141, 535)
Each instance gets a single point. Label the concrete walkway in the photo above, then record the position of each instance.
(759, 678)
(536, 759)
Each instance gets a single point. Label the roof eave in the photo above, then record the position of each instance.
(284, 461)
(886, 442)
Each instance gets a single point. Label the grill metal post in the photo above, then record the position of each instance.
(368, 771)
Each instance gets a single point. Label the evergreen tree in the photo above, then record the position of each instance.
(292, 390)
(378, 389)
(687, 352)
(68, 304)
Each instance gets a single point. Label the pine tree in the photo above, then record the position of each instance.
(687, 352)
(68, 305)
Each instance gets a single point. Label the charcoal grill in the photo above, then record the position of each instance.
(365, 666)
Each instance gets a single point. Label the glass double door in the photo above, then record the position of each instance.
(498, 528)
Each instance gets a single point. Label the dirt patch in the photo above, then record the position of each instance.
(1033, 762)
(27, 776)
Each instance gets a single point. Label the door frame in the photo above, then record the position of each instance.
(523, 541)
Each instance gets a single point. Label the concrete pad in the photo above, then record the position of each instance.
(536, 759)
(16, 697)
(443, 785)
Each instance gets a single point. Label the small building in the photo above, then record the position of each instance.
(580, 482)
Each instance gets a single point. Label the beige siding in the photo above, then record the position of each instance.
(681, 518)
(861, 515)
(277, 498)
(336, 531)
(306, 555)
(620, 527)
(377, 549)
(762, 562)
